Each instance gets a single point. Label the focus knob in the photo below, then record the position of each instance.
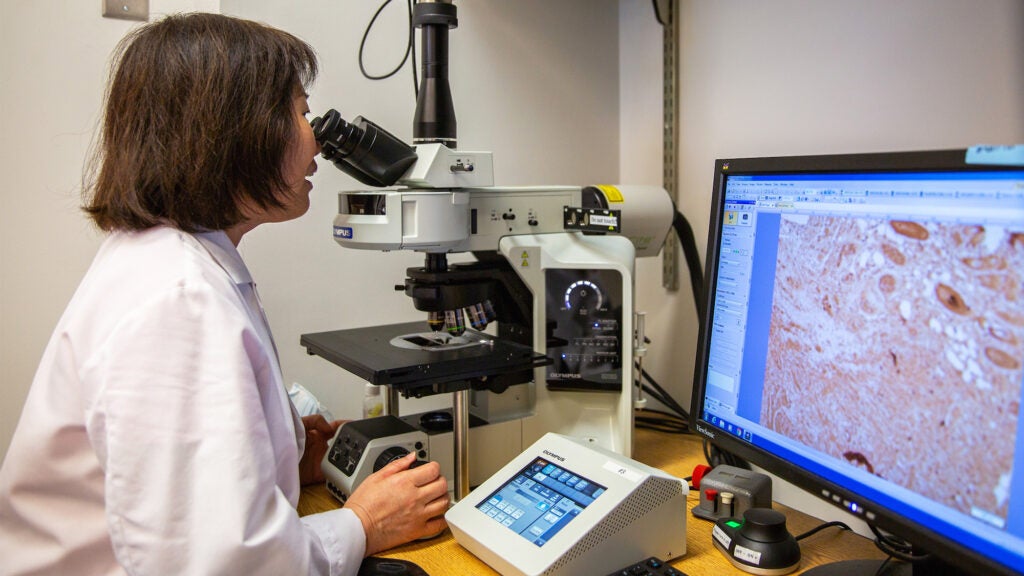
(388, 456)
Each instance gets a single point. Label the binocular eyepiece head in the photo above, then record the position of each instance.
(362, 149)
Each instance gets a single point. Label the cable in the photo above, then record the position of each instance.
(896, 548)
(660, 425)
(715, 456)
(412, 44)
(821, 527)
(665, 398)
(660, 421)
(659, 393)
(689, 245)
(409, 49)
(657, 13)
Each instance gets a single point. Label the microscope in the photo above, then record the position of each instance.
(537, 334)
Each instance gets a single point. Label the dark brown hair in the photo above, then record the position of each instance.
(198, 118)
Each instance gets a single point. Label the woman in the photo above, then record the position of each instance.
(157, 437)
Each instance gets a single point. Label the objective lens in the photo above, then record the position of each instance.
(454, 322)
(489, 310)
(436, 321)
(477, 317)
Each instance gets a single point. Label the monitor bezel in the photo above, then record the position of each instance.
(948, 160)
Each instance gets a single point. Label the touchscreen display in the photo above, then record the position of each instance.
(540, 500)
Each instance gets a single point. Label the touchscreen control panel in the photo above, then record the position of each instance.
(540, 500)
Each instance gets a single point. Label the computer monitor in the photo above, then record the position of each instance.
(863, 338)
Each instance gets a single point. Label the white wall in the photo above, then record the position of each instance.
(53, 67)
(812, 77)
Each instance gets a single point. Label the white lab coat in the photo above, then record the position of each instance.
(158, 437)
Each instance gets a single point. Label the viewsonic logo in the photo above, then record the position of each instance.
(705, 431)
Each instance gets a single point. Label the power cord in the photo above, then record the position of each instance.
(656, 391)
(813, 531)
(689, 245)
(896, 548)
(409, 50)
(893, 547)
(715, 456)
(660, 421)
(674, 421)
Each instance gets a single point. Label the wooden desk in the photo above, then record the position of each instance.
(674, 454)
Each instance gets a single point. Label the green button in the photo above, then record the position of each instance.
(733, 524)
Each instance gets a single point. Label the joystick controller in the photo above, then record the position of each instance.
(758, 542)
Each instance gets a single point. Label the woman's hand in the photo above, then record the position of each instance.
(318, 432)
(397, 504)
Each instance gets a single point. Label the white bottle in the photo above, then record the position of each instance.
(373, 403)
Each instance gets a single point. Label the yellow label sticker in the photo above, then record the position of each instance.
(611, 193)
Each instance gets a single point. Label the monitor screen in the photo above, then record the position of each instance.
(863, 337)
(540, 500)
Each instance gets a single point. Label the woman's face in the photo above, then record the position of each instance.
(299, 163)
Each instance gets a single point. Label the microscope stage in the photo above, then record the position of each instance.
(409, 355)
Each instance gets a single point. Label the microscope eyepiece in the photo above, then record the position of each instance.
(362, 149)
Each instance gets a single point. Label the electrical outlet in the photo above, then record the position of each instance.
(126, 9)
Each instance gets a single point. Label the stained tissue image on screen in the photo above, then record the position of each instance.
(540, 500)
(906, 337)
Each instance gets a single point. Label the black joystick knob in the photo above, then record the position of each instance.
(764, 525)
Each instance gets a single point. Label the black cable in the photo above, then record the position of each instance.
(662, 413)
(668, 401)
(412, 44)
(883, 566)
(821, 527)
(689, 245)
(895, 548)
(409, 48)
(660, 421)
(660, 425)
(715, 456)
(682, 227)
(657, 13)
(659, 393)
